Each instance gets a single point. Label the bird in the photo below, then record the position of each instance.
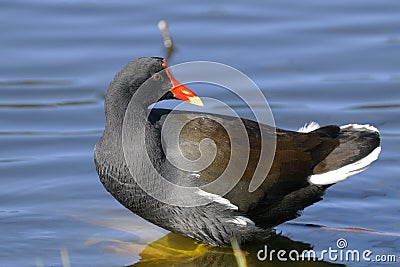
(305, 162)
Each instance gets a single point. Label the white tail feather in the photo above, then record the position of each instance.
(342, 173)
(309, 127)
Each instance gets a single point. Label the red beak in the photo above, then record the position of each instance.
(180, 91)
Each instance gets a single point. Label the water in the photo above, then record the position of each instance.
(329, 61)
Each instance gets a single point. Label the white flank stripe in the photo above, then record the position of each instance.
(240, 220)
(217, 198)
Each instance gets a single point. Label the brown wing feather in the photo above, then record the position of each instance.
(295, 157)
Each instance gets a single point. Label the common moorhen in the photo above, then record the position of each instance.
(305, 162)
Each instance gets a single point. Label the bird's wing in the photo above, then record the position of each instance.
(295, 156)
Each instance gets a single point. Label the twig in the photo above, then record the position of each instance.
(239, 254)
(168, 44)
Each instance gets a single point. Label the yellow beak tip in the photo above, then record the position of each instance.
(196, 101)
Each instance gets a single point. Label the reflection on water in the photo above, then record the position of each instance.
(177, 250)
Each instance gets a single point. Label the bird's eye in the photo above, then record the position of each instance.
(156, 76)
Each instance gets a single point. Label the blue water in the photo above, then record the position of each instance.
(335, 62)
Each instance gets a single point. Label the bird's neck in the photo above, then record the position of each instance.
(117, 105)
(109, 149)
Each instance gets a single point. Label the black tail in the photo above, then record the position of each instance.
(358, 148)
